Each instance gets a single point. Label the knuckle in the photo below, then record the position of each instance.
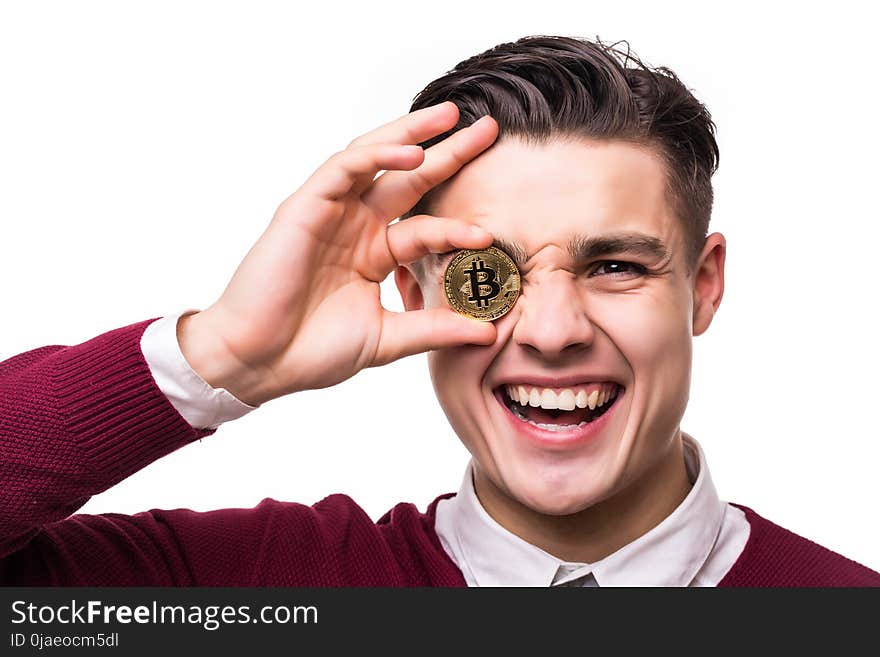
(419, 182)
(458, 156)
(360, 157)
(335, 158)
(357, 141)
(418, 220)
(345, 160)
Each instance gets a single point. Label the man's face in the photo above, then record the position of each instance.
(618, 322)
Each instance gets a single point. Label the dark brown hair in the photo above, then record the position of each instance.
(543, 87)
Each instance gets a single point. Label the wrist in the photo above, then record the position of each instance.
(210, 358)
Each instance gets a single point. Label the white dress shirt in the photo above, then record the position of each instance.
(694, 546)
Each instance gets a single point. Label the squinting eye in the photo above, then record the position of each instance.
(442, 259)
(614, 267)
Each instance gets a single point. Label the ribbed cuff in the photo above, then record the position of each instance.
(113, 407)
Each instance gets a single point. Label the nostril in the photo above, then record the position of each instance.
(548, 351)
(552, 334)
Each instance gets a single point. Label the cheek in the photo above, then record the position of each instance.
(654, 335)
(651, 333)
(457, 376)
(441, 364)
(457, 372)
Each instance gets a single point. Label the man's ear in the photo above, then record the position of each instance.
(409, 288)
(709, 282)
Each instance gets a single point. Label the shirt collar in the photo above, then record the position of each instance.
(670, 554)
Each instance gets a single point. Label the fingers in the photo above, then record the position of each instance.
(335, 178)
(395, 192)
(390, 147)
(417, 236)
(416, 331)
(414, 127)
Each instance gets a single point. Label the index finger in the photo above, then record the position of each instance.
(395, 192)
(414, 127)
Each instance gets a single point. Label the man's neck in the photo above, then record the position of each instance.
(602, 529)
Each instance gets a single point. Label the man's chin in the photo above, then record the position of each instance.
(559, 503)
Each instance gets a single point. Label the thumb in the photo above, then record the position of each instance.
(416, 331)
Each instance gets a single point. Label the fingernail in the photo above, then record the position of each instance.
(476, 231)
(482, 119)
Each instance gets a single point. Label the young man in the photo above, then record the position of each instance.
(593, 173)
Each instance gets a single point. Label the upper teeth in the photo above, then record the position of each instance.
(591, 395)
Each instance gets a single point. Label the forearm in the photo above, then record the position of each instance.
(75, 421)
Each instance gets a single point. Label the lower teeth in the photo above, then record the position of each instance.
(557, 427)
(549, 427)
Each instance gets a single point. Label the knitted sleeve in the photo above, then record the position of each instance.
(76, 420)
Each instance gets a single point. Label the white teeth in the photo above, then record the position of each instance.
(566, 400)
(534, 397)
(557, 427)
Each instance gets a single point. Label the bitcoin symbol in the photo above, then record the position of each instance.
(478, 268)
(482, 284)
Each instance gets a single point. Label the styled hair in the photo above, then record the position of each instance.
(541, 88)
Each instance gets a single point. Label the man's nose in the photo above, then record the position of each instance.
(553, 320)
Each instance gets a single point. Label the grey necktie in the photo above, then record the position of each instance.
(587, 579)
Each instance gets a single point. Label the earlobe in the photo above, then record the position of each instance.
(709, 282)
(409, 288)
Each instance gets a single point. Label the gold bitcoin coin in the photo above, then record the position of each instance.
(482, 284)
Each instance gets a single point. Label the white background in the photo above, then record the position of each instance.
(144, 147)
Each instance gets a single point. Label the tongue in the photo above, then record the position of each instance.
(536, 414)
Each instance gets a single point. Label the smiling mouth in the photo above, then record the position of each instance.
(539, 412)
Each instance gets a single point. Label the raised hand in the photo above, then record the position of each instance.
(303, 309)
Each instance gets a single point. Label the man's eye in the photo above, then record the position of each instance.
(618, 267)
(441, 259)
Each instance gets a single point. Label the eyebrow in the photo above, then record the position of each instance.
(587, 248)
(515, 251)
(582, 248)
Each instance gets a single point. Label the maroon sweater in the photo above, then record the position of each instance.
(76, 420)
